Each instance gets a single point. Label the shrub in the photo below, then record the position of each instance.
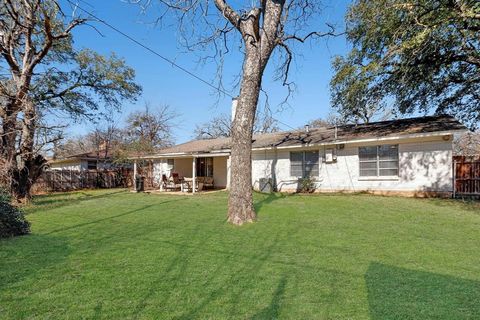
(306, 185)
(12, 219)
(4, 195)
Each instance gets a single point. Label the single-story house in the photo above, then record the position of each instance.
(408, 156)
(94, 160)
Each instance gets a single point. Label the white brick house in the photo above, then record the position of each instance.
(408, 156)
(83, 161)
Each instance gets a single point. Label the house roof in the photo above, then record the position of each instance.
(92, 155)
(101, 154)
(325, 135)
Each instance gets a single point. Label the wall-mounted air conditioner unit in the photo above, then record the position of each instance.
(330, 156)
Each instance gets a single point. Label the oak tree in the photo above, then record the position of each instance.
(42, 76)
(413, 56)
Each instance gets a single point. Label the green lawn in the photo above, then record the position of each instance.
(115, 254)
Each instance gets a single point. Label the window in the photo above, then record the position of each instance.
(304, 164)
(378, 161)
(170, 164)
(92, 165)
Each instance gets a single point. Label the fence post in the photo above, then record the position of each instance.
(454, 179)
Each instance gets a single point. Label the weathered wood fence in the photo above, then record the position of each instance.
(466, 176)
(67, 180)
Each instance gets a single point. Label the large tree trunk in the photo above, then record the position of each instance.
(259, 45)
(25, 177)
(22, 167)
(240, 204)
(9, 133)
(29, 167)
(8, 150)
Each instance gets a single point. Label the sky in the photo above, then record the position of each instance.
(193, 101)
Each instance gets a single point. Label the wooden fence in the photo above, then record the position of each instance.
(67, 180)
(466, 176)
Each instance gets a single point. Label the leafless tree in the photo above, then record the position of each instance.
(332, 119)
(263, 28)
(221, 126)
(150, 129)
(65, 147)
(467, 144)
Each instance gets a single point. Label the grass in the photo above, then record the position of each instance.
(117, 255)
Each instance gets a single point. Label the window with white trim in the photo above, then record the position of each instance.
(304, 164)
(378, 161)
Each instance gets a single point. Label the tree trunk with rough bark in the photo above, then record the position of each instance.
(240, 204)
(260, 37)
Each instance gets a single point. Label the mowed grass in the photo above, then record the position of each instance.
(113, 254)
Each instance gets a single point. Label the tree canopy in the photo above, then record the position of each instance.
(414, 56)
(43, 76)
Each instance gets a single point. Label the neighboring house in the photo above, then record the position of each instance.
(408, 156)
(83, 161)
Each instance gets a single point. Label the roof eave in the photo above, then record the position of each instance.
(226, 152)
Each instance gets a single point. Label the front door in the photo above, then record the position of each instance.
(204, 167)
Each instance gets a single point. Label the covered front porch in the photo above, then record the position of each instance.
(186, 172)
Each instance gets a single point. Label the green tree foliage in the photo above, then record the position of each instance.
(43, 76)
(414, 56)
(88, 83)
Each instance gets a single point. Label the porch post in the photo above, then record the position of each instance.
(134, 175)
(228, 172)
(194, 174)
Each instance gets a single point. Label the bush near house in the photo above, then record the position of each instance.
(306, 185)
(12, 219)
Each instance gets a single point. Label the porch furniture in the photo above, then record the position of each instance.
(174, 183)
(164, 182)
(187, 185)
(208, 182)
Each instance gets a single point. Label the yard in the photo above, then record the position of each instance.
(114, 254)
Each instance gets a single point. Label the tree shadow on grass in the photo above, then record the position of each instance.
(245, 270)
(111, 217)
(272, 311)
(174, 272)
(267, 199)
(470, 205)
(397, 293)
(58, 200)
(26, 256)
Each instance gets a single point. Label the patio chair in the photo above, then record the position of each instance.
(164, 182)
(208, 183)
(177, 181)
(174, 183)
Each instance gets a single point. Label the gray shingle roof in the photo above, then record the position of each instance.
(352, 132)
